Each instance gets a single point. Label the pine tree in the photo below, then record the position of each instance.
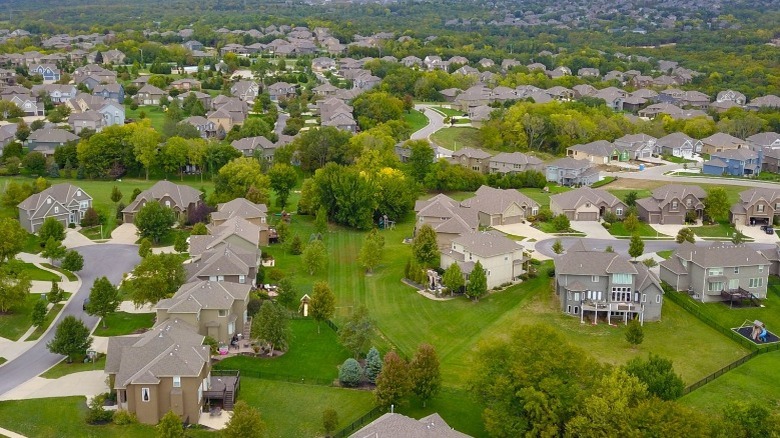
(636, 247)
(350, 373)
(453, 279)
(635, 334)
(424, 247)
(373, 365)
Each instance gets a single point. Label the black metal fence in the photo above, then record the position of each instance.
(285, 378)
(370, 416)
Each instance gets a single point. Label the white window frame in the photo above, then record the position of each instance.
(658, 299)
(644, 298)
(146, 395)
(222, 313)
(715, 286)
(714, 272)
(594, 278)
(736, 269)
(177, 381)
(756, 282)
(242, 279)
(760, 268)
(212, 278)
(760, 208)
(619, 211)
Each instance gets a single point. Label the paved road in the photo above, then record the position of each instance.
(435, 122)
(657, 173)
(100, 259)
(621, 245)
(281, 122)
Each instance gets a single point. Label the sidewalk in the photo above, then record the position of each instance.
(9, 434)
(529, 232)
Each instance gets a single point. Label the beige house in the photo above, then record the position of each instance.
(446, 216)
(234, 232)
(226, 264)
(720, 141)
(586, 204)
(64, 202)
(500, 207)
(671, 203)
(256, 214)
(757, 206)
(597, 152)
(215, 309)
(470, 158)
(503, 259)
(180, 198)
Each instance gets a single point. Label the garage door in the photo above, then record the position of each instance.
(588, 216)
(512, 220)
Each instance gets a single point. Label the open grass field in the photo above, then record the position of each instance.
(457, 138)
(311, 355)
(63, 368)
(123, 323)
(16, 322)
(415, 119)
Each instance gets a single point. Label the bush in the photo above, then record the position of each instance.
(253, 306)
(606, 225)
(610, 217)
(544, 215)
(96, 413)
(212, 343)
(350, 373)
(91, 218)
(124, 418)
(561, 222)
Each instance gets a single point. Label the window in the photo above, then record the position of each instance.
(56, 209)
(622, 278)
(644, 298)
(242, 279)
(621, 294)
(78, 192)
(736, 269)
(688, 202)
(177, 381)
(212, 278)
(756, 282)
(220, 278)
(576, 296)
(594, 278)
(715, 271)
(568, 309)
(231, 328)
(760, 268)
(619, 211)
(674, 205)
(222, 312)
(145, 397)
(636, 296)
(715, 286)
(167, 203)
(760, 208)
(576, 310)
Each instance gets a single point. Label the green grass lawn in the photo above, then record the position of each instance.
(415, 119)
(678, 160)
(123, 323)
(549, 228)
(63, 368)
(35, 273)
(16, 322)
(756, 380)
(457, 138)
(98, 232)
(542, 197)
(154, 113)
(50, 316)
(311, 355)
(621, 193)
(665, 254)
(644, 230)
(457, 407)
(721, 229)
(69, 275)
(449, 112)
(3, 360)
(33, 243)
(295, 410)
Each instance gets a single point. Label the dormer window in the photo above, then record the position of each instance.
(78, 192)
(674, 205)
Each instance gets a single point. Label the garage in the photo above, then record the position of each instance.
(587, 216)
(509, 220)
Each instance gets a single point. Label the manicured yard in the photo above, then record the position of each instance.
(449, 112)
(549, 228)
(34, 273)
(457, 407)
(542, 197)
(69, 275)
(98, 232)
(123, 323)
(50, 316)
(154, 113)
(3, 360)
(63, 368)
(311, 355)
(644, 230)
(678, 160)
(16, 322)
(33, 243)
(665, 254)
(170, 238)
(416, 120)
(756, 380)
(621, 193)
(457, 138)
(721, 229)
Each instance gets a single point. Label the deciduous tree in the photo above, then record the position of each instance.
(235, 179)
(635, 334)
(271, 326)
(323, 303)
(39, 313)
(13, 239)
(659, 376)
(158, 276)
(116, 195)
(154, 221)
(393, 383)
(477, 285)
(424, 247)
(170, 426)
(356, 333)
(146, 145)
(636, 247)
(631, 223)
(330, 420)
(716, 204)
(53, 249)
(13, 289)
(283, 180)
(685, 235)
(315, 256)
(425, 373)
(103, 299)
(372, 250)
(245, 422)
(453, 278)
(51, 227)
(71, 338)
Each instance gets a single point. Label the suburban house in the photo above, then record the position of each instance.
(446, 216)
(470, 158)
(256, 214)
(736, 162)
(216, 309)
(185, 84)
(568, 171)
(756, 206)
(248, 145)
(677, 144)
(281, 90)
(500, 207)
(590, 284)
(180, 198)
(226, 263)
(64, 202)
(671, 203)
(245, 90)
(87, 120)
(393, 425)
(235, 232)
(149, 95)
(510, 163)
(503, 259)
(50, 73)
(719, 272)
(58, 93)
(586, 204)
(720, 142)
(115, 92)
(764, 141)
(205, 127)
(46, 140)
(597, 152)
(165, 369)
(638, 146)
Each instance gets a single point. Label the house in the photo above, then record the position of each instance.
(7, 135)
(470, 158)
(720, 142)
(678, 144)
(149, 95)
(392, 425)
(28, 104)
(87, 120)
(731, 96)
(514, 162)
(322, 64)
(215, 309)
(249, 145)
(503, 259)
(570, 172)
(326, 90)
(194, 46)
(46, 140)
(771, 160)
(49, 72)
(756, 206)
(675, 96)
(717, 272)
(185, 84)
(165, 369)
(764, 141)
(235, 232)
(226, 263)
(57, 93)
(240, 207)
(281, 90)
(115, 92)
(205, 127)
(64, 202)
(638, 146)
(592, 284)
(245, 90)
(670, 204)
(447, 218)
(500, 207)
(768, 101)
(597, 152)
(736, 162)
(180, 198)
(586, 204)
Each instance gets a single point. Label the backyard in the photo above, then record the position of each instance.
(457, 138)
(415, 119)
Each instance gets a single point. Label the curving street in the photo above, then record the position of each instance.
(100, 259)
(435, 122)
(621, 245)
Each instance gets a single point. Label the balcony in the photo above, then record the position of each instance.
(223, 388)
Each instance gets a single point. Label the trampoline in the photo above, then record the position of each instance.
(746, 330)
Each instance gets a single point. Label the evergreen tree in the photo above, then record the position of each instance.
(477, 285)
(635, 334)
(373, 365)
(636, 247)
(453, 278)
(350, 373)
(330, 420)
(425, 248)
(557, 246)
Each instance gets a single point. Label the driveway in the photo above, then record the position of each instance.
(759, 235)
(125, 234)
(592, 229)
(99, 260)
(75, 239)
(86, 383)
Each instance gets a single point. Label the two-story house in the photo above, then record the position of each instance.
(503, 259)
(597, 284)
(586, 204)
(597, 152)
(500, 207)
(670, 204)
(638, 146)
(507, 163)
(756, 206)
(281, 90)
(736, 162)
(568, 171)
(240, 207)
(717, 272)
(228, 263)
(149, 95)
(447, 218)
(47, 140)
(721, 141)
(64, 202)
(245, 90)
(50, 73)
(115, 92)
(470, 158)
(677, 144)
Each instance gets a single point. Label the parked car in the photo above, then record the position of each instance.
(769, 230)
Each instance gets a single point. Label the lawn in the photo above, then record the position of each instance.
(98, 232)
(69, 275)
(416, 120)
(170, 238)
(33, 272)
(720, 229)
(457, 407)
(449, 112)
(542, 197)
(154, 113)
(665, 254)
(756, 380)
(51, 315)
(15, 323)
(63, 368)
(457, 138)
(621, 193)
(311, 355)
(3, 360)
(644, 230)
(123, 323)
(32, 245)
(678, 160)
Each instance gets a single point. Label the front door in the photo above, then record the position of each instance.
(72, 218)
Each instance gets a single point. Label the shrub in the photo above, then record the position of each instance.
(123, 418)
(253, 306)
(96, 413)
(350, 373)
(91, 218)
(561, 222)
(212, 343)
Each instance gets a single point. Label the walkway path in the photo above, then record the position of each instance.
(74, 239)
(9, 434)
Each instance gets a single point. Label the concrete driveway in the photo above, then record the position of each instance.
(86, 383)
(672, 230)
(759, 235)
(592, 229)
(75, 239)
(125, 234)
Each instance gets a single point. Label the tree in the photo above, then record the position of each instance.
(91, 218)
(393, 383)
(424, 247)
(477, 285)
(71, 338)
(145, 248)
(180, 244)
(557, 246)
(323, 303)
(561, 222)
(154, 221)
(145, 141)
(35, 163)
(170, 426)
(73, 261)
(421, 159)
(425, 373)
(158, 276)
(635, 334)
(55, 293)
(737, 237)
(272, 327)
(175, 154)
(53, 249)
(631, 198)
(22, 131)
(245, 422)
(631, 223)
(321, 221)
(199, 229)
(51, 227)
(355, 335)
(103, 299)
(716, 204)
(116, 195)
(685, 235)
(330, 420)
(373, 365)
(14, 237)
(750, 419)
(39, 313)
(296, 245)
(636, 247)
(659, 376)
(315, 256)
(371, 252)
(13, 289)
(609, 249)
(235, 179)
(453, 278)
(286, 295)
(350, 373)
(283, 179)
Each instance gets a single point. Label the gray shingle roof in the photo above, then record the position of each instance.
(391, 425)
(573, 199)
(487, 244)
(721, 254)
(181, 195)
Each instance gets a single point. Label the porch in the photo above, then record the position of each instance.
(614, 311)
(223, 389)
